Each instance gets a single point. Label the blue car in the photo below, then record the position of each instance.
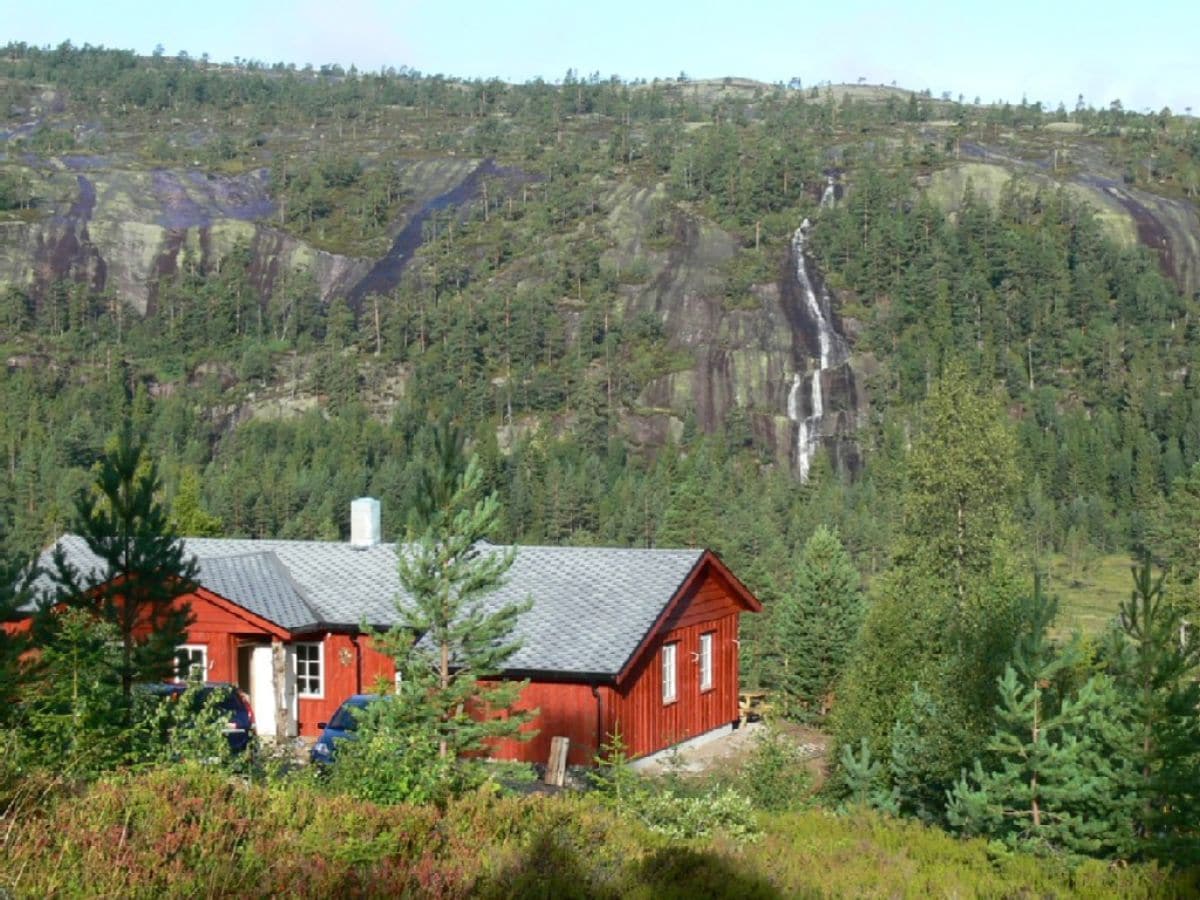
(342, 726)
(239, 729)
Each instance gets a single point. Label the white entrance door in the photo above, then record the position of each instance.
(262, 689)
(266, 696)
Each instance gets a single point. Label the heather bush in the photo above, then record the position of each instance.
(193, 830)
(866, 854)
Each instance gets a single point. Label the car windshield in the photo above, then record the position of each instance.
(345, 717)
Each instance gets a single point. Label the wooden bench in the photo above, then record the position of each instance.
(752, 704)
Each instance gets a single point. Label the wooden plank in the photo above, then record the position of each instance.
(556, 768)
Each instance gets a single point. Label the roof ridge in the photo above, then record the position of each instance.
(271, 553)
(310, 604)
(608, 548)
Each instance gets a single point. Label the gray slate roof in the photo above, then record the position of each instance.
(591, 609)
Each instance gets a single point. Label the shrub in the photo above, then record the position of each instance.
(775, 776)
(720, 811)
(383, 766)
(613, 780)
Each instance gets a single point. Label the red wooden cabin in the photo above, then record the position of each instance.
(644, 641)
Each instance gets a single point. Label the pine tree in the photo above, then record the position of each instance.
(439, 479)
(143, 569)
(462, 640)
(1058, 783)
(1155, 659)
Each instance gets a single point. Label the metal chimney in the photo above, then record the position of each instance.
(365, 530)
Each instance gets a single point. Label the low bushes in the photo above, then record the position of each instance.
(193, 830)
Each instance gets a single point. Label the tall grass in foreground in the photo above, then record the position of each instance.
(191, 832)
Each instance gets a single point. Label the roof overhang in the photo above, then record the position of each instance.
(235, 609)
(559, 676)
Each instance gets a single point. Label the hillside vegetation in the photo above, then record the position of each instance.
(609, 295)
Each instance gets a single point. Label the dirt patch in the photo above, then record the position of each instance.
(729, 752)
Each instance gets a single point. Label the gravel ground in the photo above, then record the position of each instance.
(728, 750)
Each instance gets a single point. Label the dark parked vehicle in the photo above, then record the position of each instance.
(342, 726)
(239, 729)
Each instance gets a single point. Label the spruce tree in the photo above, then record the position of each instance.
(462, 640)
(813, 626)
(143, 571)
(73, 708)
(188, 515)
(1175, 538)
(925, 750)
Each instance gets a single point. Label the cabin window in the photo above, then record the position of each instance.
(668, 672)
(308, 670)
(191, 662)
(706, 661)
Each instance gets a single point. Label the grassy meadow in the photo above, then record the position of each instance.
(1089, 594)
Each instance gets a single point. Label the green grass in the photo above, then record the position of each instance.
(1089, 594)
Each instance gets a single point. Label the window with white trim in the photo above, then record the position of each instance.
(309, 670)
(706, 661)
(668, 672)
(191, 662)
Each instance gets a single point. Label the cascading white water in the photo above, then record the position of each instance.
(829, 197)
(833, 353)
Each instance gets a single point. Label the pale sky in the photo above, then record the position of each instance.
(1147, 55)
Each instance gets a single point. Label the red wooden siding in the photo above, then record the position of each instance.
(646, 723)
(711, 601)
(219, 628)
(344, 674)
(376, 666)
(566, 709)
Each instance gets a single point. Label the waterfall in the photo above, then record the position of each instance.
(829, 196)
(833, 353)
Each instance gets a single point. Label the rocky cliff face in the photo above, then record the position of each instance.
(748, 358)
(124, 228)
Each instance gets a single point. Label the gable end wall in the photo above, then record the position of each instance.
(648, 725)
